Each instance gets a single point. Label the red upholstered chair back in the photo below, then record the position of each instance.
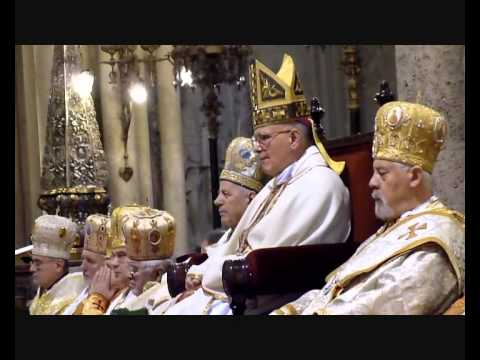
(357, 152)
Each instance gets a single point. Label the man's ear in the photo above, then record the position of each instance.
(59, 266)
(251, 195)
(294, 137)
(415, 176)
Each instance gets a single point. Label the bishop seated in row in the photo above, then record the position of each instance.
(414, 264)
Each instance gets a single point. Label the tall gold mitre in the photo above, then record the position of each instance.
(53, 236)
(242, 165)
(276, 98)
(409, 133)
(97, 233)
(117, 239)
(279, 99)
(149, 234)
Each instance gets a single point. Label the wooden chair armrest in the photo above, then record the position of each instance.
(177, 272)
(281, 270)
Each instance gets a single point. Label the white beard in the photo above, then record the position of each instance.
(382, 210)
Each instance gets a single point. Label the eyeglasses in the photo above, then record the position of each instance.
(265, 139)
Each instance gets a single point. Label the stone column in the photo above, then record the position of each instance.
(436, 74)
(140, 132)
(197, 166)
(121, 192)
(29, 161)
(377, 64)
(43, 56)
(171, 140)
(20, 239)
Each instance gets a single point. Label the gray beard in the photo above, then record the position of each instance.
(382, 210)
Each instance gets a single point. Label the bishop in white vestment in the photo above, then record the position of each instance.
(415, 263)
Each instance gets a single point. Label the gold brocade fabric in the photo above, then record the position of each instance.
(97, 304)
(47, 304)
(97, 233)
(58, 297)
(276, 98)
(409, 133)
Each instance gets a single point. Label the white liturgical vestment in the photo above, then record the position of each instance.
(413, 266)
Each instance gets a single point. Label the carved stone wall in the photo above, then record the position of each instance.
(436, 73)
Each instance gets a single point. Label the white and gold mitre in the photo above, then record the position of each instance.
(409, 133)
(276, 98)
(53, 236)
(149, 234)
(242, 165)
(97, 233)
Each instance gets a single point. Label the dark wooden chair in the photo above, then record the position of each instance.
(295, 270)
(24, 287)
(177, 272)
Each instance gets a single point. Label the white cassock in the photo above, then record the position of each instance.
(306, 204)
(413, 266)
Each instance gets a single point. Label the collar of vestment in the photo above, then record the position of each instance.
(294, 169)
(422, 207)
